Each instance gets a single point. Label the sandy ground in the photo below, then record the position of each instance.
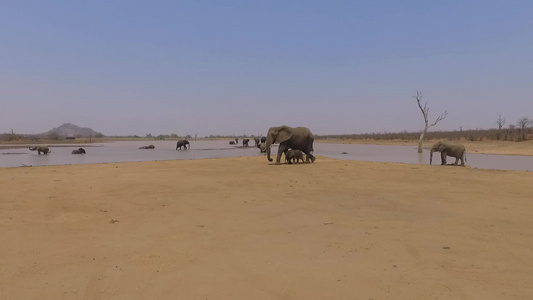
(241, 228)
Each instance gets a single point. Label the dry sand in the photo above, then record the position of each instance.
(241, 228)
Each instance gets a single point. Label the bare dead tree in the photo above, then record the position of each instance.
(523, 124)
(425, 113)
(500, 122)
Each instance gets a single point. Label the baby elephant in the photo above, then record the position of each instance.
(79, 151)
(40, 149)
(293, 156)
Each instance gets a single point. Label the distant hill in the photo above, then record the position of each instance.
(69, 129)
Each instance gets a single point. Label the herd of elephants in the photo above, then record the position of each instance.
(294, 142)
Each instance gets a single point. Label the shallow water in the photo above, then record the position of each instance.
(166, 150)
(409, 155)
(122, 152)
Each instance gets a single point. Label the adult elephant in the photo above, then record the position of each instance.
(40, 149)
(447, 149)
(257, 142)
(298, 138)
(183, 143)
(79, 151)
(245, 142)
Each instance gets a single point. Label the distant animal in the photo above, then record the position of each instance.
(236, 141)
(293, 156)
(446, 149)
(245, 142)
(183, 143)
(263, 139)
(262, 147)
(232, 142)
(40, 149)
(257, 142)
(147, 147)
(79, 151)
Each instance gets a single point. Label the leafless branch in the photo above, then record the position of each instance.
(524, 122)
(425, 109)
(500, 122)
(425, 113)
(440, 118)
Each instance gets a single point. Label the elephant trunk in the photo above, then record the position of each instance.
(267, 146)
(431, 156)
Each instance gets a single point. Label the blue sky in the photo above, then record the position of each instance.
(225, 67)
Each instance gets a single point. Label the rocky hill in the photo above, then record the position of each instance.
(69, 129)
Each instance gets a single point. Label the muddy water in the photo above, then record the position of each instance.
(409, 155)
(122, 152)
(166, 150)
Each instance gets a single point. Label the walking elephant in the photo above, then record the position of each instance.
(294, 156)
(79, 151)
(245, 142)
(297, 138)
(183, 143)
(446, 149)
(40, 149)
(257, 142)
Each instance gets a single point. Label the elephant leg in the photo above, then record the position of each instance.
(308, 156)
(456, 160)
(281, 149)
(443, 158)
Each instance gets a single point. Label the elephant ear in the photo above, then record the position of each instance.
(284, 134)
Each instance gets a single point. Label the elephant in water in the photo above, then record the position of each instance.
(232, 142)
(293, 156)
(147, 147)
(79, 151)
(40, 149)
(446, 149)
(183, 143)
(245, 142)
(297, 138)
(262, 147)
(257, 142)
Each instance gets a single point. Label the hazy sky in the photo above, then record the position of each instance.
(224, 67)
